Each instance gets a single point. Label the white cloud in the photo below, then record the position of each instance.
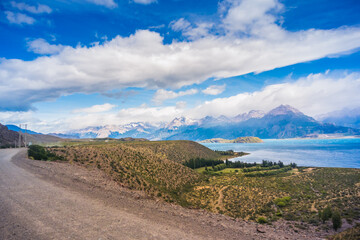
(214, 89)
(144, 60)
(32, 9)
(162, 94)
(181, 105)
(184, 26)
(149, 114)
(179, 25)
(145, 2)
(314, 95)
(95, 109)
(19, 18)
(106, 3)
(41, 46)
(250, 15)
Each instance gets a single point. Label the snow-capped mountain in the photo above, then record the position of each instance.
(136, 129)
(180, 122)
(283, 110)
(246, 116)
(281, 122)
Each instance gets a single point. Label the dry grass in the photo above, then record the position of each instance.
(153, 168)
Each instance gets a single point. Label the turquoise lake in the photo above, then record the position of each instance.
(343, 153)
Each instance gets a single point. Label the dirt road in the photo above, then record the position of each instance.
(47, 200)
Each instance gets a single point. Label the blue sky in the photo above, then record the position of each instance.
(68, 64)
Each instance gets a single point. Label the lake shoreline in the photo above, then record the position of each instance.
(339, 152)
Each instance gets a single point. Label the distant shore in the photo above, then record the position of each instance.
(321, 136)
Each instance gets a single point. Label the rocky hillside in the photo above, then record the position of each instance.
(8, 138)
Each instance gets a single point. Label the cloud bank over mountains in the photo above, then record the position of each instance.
(253, 44)
(315, 94)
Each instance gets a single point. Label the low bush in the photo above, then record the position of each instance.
(38, 152)
(336, 220)
(325, 214)
(282, 202)
(262, 220)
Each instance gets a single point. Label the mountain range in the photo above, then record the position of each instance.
(281, 122)
(345, 117)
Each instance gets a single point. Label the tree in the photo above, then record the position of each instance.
(281, 164)
(336, 220)
(325, 214)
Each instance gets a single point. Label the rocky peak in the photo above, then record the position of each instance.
(180, 121)
(284, 110)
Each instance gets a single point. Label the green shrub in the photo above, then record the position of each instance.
(325, 214)
(38, 152)
(262, 220)
(282, 202)
(336, 220)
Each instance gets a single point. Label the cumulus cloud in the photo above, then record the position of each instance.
(41, 46)
(19, 18)
(95, 109)
(214, 89)
(145, 2)
(106, 3)
(314, 94)
(251, 16)
(144, 60)
(40, 8)
(162, 94)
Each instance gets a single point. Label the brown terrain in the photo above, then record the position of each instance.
(7, 137)
(58, 200)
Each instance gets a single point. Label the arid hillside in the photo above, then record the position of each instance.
(154, 167)
(7, 137)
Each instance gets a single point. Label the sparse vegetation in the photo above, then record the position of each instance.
(292, 195)
(154, 167)
(268, 192)
(349, 234)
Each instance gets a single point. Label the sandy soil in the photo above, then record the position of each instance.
(54, 200)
